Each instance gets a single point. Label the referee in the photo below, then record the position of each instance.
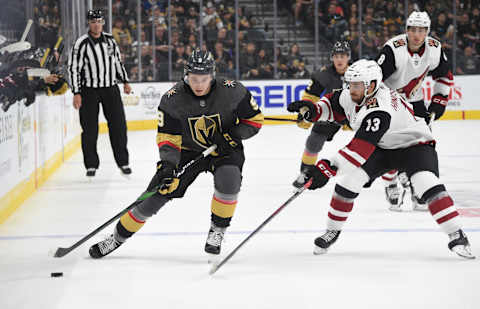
(95, 68)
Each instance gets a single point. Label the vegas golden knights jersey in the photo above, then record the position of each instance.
(187, 122)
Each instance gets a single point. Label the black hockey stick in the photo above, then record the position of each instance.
(64, 251)
(215, 267)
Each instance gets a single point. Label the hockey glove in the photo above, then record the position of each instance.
(307, 109)
(321, 174)
(438, 105)
(301, 123)
(225, 142)
(165, 178)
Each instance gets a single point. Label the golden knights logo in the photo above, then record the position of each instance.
(202, 128)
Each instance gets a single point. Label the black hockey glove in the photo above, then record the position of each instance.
(225, 142)
(438, 105)
(320, 175)
(165, 178)
(306, 108)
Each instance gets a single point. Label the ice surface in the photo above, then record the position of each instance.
(381, 260)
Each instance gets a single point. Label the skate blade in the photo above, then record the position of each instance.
(464, 251)
(125, 176)
(213, 258)
(395, 208)
(420, 208)
(319, 251)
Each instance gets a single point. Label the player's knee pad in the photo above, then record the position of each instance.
(424, 182)
(354, 180)
(150, 206)
(227, 179)
(315, 142)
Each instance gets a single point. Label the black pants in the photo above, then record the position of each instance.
(117, 128)
(411, 160)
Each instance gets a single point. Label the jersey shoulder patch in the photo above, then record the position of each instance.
(170, 93)
(229, 83)
(433, 42)
(399, 43)
(371, 103)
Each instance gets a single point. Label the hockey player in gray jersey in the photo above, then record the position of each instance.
(323, 81)
(405, 61)
(194, 114)
(387, 136)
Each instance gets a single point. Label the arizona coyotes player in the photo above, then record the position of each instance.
(405, 61)
(387, 136)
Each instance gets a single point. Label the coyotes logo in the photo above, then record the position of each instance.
(413, 85)
(171, 92)
(229, 83)
(372, 103)
(433, 43)
(399, 43)
(202, 128)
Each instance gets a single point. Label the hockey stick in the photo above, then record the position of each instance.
(215, 267)
(280, 119)
(64, 251)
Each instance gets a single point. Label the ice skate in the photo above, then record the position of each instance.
(213, 244)
(394, 195)
(323, 242)
(91, 173)
(104, 247)
(125, 171)
(460, 245)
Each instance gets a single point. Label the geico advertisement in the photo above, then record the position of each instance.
(274, 95)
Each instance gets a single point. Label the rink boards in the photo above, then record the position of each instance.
(35, 140)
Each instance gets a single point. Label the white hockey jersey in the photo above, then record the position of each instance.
(386, 120)
(405, 71)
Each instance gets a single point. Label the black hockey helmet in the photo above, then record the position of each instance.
(200, 62)
(341, 47)
(95, 14)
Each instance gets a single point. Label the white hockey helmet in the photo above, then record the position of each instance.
(364, 71)
(418, 19)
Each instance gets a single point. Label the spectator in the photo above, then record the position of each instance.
(265, 68)
(223, 60)
(468, 63)
(336, 24)
(179, 57)
(282, 68)
(249, 62)
(121, 33)
(210, 16)
(294, 59)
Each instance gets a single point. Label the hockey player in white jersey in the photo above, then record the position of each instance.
(387, 136)
(406, 60)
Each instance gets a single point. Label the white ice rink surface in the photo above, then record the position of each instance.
(381, 260)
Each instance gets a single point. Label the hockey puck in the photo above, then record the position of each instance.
(56, 274)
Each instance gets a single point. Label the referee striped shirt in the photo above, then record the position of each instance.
(95, 63)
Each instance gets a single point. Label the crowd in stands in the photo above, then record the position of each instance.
(338, 20)
(382, 20)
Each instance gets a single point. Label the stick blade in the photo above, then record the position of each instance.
(213, 269)
(61, 252)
